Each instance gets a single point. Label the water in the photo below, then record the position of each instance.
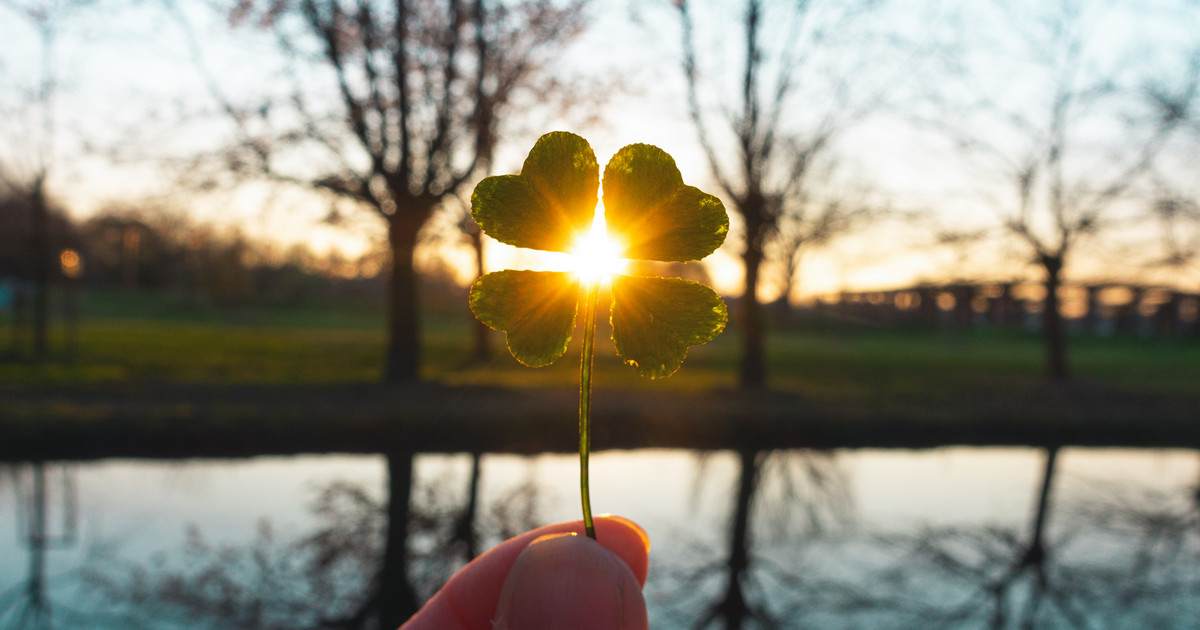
(848, 539)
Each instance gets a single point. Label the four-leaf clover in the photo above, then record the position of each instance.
(648, 210)
(550, 206)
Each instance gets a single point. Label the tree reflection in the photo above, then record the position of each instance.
(781, 498)
(1115, 557)
(464, 531)
(38, 489)
(333, 577)
(1144, 558)
(320, 581)
(1125, 558)
(397, 597)
(1004, 578)
(791, 556)
(732, 607)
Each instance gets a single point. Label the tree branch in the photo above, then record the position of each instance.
(694, 109)
(438, 149)
(404, 105)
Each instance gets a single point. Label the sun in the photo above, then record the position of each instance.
(596, 256)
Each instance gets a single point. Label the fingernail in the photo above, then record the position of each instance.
(570, 581)
(637, 529)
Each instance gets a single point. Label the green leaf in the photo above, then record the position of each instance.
(535, 308)
(655, 320)
(657, 217)
(549, 204)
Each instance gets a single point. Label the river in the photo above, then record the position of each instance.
(957, 537)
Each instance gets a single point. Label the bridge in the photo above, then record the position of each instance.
(1101, 309)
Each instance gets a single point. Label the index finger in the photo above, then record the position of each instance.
(468, 601)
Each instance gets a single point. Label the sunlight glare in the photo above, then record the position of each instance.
(597, 256)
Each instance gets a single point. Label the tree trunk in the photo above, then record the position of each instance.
(1092, 320)
(397, 598)
(1003, 311)
(482, 348)
(791, 269)
(753, 369)
(41, 274)
(403, 359)
(15, 341)
(1053, 330)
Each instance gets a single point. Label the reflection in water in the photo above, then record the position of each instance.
(732, 607)
(1146, 557)
(1117, 558)
(464, 532)
(791, 496)
(1032, 563)
(38, 489)
(449, 527)
(332, 577)
(1123, 558)
(793, 552)
(997, 578)
(396, 598)
(320, 580)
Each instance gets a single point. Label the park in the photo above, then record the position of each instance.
(897, 323)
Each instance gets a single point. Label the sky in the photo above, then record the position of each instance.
(126, 71)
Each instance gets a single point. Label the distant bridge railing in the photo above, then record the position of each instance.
(1102, 309)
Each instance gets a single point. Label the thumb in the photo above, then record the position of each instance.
(570, 581)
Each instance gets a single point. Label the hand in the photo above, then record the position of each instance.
(549, 578)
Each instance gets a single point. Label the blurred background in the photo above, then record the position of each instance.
(240, 385)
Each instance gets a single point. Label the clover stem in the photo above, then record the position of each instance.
(585, 403)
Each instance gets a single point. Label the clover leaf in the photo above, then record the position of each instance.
(654, 321)
(550, 205)
(646, 202)
(648, 209)
(536, 308)
(545, 206)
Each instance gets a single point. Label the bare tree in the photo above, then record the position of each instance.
(1176, 202)
(25, 172)
(812, 221)
(421, 92)
(1179, 224)
(794, 100)
(1065, 126)
(481, 334)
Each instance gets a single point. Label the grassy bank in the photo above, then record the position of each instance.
(135, 339)
(148, 377)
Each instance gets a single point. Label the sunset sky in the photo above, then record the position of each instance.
(127, 76)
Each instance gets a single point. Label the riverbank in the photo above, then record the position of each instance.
(151, 378)
(182, 421)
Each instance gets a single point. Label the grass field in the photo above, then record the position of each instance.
(145, 339)
(149, 376)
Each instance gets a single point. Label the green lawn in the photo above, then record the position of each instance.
(141, 339)
(151, 376)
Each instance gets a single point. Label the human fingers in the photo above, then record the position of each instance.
(469, 599)
(570, 581)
